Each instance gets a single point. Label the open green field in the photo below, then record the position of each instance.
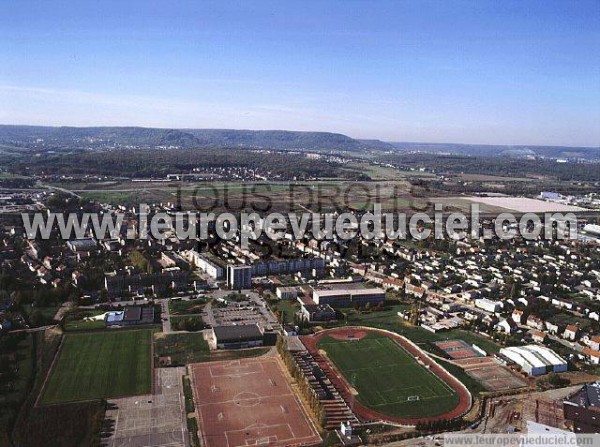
(183, 348)
(389, 320)
(191, 307)
(391, 190)
(287, 309)
(16, 351)
(191, 347)
(378, 172)
(101, 365)
(388, 379)
(77, 322)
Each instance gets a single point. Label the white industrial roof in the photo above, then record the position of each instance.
(534, 355)
(335, 292)
(115, 316)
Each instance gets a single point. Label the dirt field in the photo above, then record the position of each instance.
(544, 407)
(457, 349)
(525, 205)
(249, 402)
(491, 374)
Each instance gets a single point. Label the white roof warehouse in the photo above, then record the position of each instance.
(535, 359)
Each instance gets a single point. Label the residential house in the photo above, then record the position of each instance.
(552, 328)
(535, 322)
(592, 356)
(517, 316)
(594, 343)
(571, 332)
(537, 336)
(506, 326)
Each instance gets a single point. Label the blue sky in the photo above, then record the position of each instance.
(505, 72)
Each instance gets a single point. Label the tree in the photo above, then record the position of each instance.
(36, 318)
(557, 381)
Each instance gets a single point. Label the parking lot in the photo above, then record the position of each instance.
(251, 310)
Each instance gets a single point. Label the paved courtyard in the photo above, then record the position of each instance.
(154, 420)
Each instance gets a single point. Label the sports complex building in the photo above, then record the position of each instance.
(534, 359)
(239, 336)
(131, 316)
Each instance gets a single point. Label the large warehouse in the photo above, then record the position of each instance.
(535, 359)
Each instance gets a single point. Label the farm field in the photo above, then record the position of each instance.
(392, 194)
(378, 172)
(525, 205)
(100, 365)
(387, 378)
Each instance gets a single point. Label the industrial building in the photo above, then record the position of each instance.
(120, 284)
(583, 409)
(592, 229)
(349, 297)
(286, 293)
(204, 263)
(79, 245)
(488, 305)
(304, 266)
(317, 312)
(238, 337)
(534, 359)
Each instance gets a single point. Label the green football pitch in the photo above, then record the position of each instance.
(101, 365)
(388, 379)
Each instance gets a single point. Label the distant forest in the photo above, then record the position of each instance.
(505, 167)
(60, 138)
(158, 163)
(15, 138)
(138, 163)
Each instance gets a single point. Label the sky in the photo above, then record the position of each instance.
(477, 71)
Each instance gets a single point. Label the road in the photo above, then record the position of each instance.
(66, 191)
(210, 317)
(33, 329)
(569, 344)
(165, 316)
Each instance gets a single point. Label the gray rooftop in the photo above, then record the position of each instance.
(237, 333)
(588, 396)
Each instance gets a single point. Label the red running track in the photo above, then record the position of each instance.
(367, 414)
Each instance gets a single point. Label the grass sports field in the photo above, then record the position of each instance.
(101, 365)
(387, 378)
